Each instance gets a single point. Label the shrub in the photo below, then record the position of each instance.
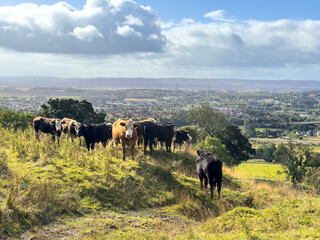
(214, 146)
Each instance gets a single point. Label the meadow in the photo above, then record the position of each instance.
(51, 192)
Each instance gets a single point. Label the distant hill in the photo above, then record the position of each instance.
(169, 83)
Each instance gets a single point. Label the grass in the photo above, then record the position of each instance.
(68, 193)
(260, 170)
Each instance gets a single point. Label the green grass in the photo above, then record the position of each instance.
(67, 193)
(261, 170)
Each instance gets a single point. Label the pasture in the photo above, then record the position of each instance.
(66, 192)
(260, 170)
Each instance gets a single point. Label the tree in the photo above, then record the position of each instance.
(236, 143)
(215, 147)
(15, 120)
(211, 120)
(249, 128)
(281, 153)
(296, 159)
(266, 151)
(81, 111)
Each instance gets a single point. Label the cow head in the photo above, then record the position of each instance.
(129, 126)
(199, 153)
(58, 125)
(80, 128)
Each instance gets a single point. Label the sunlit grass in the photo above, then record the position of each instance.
(66, 192)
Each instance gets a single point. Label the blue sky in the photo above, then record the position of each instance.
(248, 39)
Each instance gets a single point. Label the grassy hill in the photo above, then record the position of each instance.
(50, 192)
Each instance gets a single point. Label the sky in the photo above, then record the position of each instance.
(247, 39)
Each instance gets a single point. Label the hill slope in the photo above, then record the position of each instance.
(51, 192)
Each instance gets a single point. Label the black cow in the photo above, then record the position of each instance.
(209, 169)
(141, 127)
(47, 125)
(94, 133)
(163, 133)
(181, 136)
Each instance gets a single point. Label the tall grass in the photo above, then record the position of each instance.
(40, 182)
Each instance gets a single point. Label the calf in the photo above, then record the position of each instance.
(181, 136)
(209, 169)
(94, 133)
(163, 133)
(125, 132)
(47, 125)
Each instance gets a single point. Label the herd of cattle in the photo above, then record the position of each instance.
(128, 133)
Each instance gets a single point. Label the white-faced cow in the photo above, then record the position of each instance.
(125, 132)
(94, 133)
(69, 128)
(209, 169)
(47, 125)
(181, 136)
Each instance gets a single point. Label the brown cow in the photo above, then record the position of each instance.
(47, 125)
(69, 128)
(125, 132)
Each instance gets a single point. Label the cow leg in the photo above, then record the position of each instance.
(145, 146)
(92, 145)
(168, 146)
(132, 151)
(116, 149)
(219, 187)
(174, 145)
(59, 141)
(37, 135)
(124, 150)
(88, 145)
(201, 182)
(205, 183)
(213, 184)
(151, 146)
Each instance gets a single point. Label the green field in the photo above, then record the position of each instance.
(261, 170)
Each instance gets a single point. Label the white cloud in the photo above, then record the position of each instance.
(245, 44)
(131, 20)
(102, 27)
(222, 48)
(87, 33)
(217, 16)
(127, 31)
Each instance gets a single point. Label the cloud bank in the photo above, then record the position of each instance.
(120, 38)
(101, 27)
(245, 43)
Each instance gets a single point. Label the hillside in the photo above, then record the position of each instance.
(47, 192)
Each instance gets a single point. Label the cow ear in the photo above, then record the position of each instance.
(199, 152)
(122, 124)
(136, 124)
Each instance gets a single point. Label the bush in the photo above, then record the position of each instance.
(15, 120)
(214, 146)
